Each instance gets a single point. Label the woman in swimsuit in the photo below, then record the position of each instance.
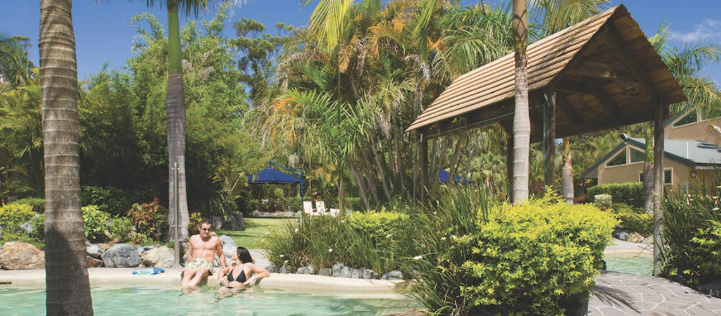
(243, 272)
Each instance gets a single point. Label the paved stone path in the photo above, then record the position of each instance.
(631, 294)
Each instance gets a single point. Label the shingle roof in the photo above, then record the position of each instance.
(692, 153)
(586, 41)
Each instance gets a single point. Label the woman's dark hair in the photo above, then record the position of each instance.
(244, 255)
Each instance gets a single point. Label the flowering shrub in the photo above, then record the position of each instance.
(150, 219)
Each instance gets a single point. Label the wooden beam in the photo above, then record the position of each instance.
(549, 144)
(658, 150)
(621, 49)
(603, 97)
(423, 166)
(509, 164)
(566, 108)
(569, 86)
(601, 71)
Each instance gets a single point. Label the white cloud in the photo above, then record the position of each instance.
(708, 29)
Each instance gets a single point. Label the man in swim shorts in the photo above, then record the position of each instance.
(201, 254)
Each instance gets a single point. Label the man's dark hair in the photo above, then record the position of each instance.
(205, 221)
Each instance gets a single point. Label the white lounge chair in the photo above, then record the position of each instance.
(308, 208)
(320, 207)
(334, 212)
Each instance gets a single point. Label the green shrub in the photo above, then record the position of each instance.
(14, 215)
(38, 224)
(38, 204)
(627, 193)
(252, 205)
(194, 223)
(531, 259)
(8, 237)
(295, 204)
(603, 201)
(95, 223)
(120, 229)
(634, 219)
(691, 233)
(106, 199)
(355, 203)
(149, 219)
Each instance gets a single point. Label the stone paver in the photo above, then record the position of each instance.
(631, 294)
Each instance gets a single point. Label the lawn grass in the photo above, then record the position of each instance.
(254, 227)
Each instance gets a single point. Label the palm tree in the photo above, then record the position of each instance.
(68, 288)
(175, 107)
(521, 119)
(15, 67)
(686, 65)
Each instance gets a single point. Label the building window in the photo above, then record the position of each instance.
(620, 159)
(667, 176)
(691, 117)
(710, 113)
(637, 155)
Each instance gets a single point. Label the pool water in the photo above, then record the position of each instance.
(138, 301)
(630, 264)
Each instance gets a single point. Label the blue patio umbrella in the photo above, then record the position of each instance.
(444, 175)
(272, 176)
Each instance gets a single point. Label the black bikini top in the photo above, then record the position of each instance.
(240, 278)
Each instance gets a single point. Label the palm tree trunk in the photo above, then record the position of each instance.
(567, 172)
(648, 172)
(341, 192)
(175, 107)
(359, 181)
(66, 277)
(373, 189)
(381, 170)
(521, 120)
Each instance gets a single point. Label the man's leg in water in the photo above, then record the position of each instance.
(187, 277)
(199, 276)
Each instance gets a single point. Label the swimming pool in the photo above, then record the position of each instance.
(634, 264)
(149, 300)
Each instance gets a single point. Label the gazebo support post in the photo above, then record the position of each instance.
(509, 165)
(658, 142)
(423, 166)
(549, 138)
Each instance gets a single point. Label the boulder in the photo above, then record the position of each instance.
(93, 262)
(338, 269)
(121, 256)
(272, 268)
(286, 269)
(369, 274)
(634, 237)
(647, 241)
(620, 233)
(309, 269)
(216, 222)
(21, 256)
(255, 213)
(356, 273)
(229, 248)
(234, 222)
(161, 257)
(393, 275)
(325, 271)
(93, 251)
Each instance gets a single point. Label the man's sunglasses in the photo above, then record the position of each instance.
(205, 229)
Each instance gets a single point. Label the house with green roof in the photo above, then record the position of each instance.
(691, 153)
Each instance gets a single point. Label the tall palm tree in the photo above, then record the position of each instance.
(686, 65)
(66, 277)
(521, 119)
(175, 107)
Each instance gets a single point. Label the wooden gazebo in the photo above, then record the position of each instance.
(598, 74)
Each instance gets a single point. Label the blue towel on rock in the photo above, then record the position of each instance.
(150, 271)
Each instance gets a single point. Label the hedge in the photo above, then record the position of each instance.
(627, 193)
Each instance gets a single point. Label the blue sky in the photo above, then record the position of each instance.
(103, 31)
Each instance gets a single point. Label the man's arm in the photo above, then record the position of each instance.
(221, 255)
(190, 250)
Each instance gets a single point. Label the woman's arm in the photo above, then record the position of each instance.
(258, 273)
